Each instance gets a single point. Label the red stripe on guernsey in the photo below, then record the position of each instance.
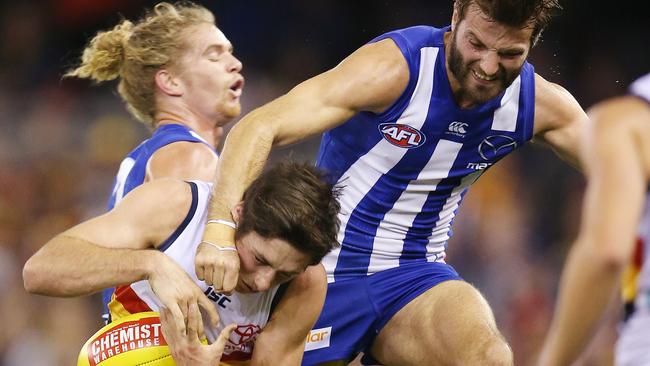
(130, 300)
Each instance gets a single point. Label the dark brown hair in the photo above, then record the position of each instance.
(516, 13)
(293, 202)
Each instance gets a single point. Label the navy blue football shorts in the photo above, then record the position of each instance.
(357, 309)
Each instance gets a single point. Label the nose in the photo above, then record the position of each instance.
(263, 279)
(235, 64)
(489, 63)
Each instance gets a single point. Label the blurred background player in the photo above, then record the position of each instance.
(177, 74)
(614, 234)
(286, 223)
(411, 121)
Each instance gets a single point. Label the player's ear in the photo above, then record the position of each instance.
(167, 83)
(454, 17)
(237, 212)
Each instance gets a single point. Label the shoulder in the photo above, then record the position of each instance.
(555, 107)
(183, 160)
(629, 113)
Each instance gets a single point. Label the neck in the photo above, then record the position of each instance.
(209, 130)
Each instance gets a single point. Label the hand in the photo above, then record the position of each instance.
(185, 343)
(178, 292)
(217, 268)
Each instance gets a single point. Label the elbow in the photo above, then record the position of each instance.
(613, 259)
(39, 278)
(608, 256)
(33, 278)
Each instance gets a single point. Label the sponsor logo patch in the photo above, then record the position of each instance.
(126, 337)
(496, 145)
(457, 128)
(318, 338)
(402, 135)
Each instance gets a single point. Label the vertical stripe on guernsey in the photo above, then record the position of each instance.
(364, 211)
(505, 117)
(391, 234)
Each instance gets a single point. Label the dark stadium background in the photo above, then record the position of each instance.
(61, 143)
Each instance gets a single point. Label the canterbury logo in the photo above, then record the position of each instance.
(458, 127)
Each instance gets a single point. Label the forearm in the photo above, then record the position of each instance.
(245, 152)
(585, 292)
(279, 355)
(69, 266)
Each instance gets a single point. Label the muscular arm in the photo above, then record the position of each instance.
(113, 248)
(559, 120)
(370, 79)
(183, 160)
(282, 341)
(617, 179)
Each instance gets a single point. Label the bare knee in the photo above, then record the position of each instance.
(495, 352)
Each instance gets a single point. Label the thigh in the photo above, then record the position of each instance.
(449, 324)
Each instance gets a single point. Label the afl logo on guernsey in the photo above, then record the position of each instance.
(402, 135)
(496, 145)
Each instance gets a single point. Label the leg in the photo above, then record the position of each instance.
(449, 324)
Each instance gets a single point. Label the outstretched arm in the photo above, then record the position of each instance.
(370, 79)
(617, 180)
(116, 248)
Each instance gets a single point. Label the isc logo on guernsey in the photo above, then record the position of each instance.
(402, 135)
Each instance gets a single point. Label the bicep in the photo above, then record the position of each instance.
(560, 121)
(370, 79)
(144, 218)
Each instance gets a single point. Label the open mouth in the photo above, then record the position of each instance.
(483, 78)
(237, 87)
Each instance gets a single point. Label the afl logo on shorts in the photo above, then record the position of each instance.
(496, 145)
(402, 135)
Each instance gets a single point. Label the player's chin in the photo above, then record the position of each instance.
(232, 109)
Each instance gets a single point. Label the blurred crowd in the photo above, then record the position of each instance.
(62, 141)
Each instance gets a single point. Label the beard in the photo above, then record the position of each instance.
(462, 70)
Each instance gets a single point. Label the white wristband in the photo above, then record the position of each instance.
(219, 247)
(223, 222)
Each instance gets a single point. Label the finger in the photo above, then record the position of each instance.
(164, 318)
(230, 277)
(217, 278)
(220, 343)
(168, 326)
(208, 275)
(210, 309)
(183, 306)
(194, 323)
(200, 271)
(178, 319)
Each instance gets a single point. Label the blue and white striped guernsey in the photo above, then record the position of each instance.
(404, 172)
(133, 168)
